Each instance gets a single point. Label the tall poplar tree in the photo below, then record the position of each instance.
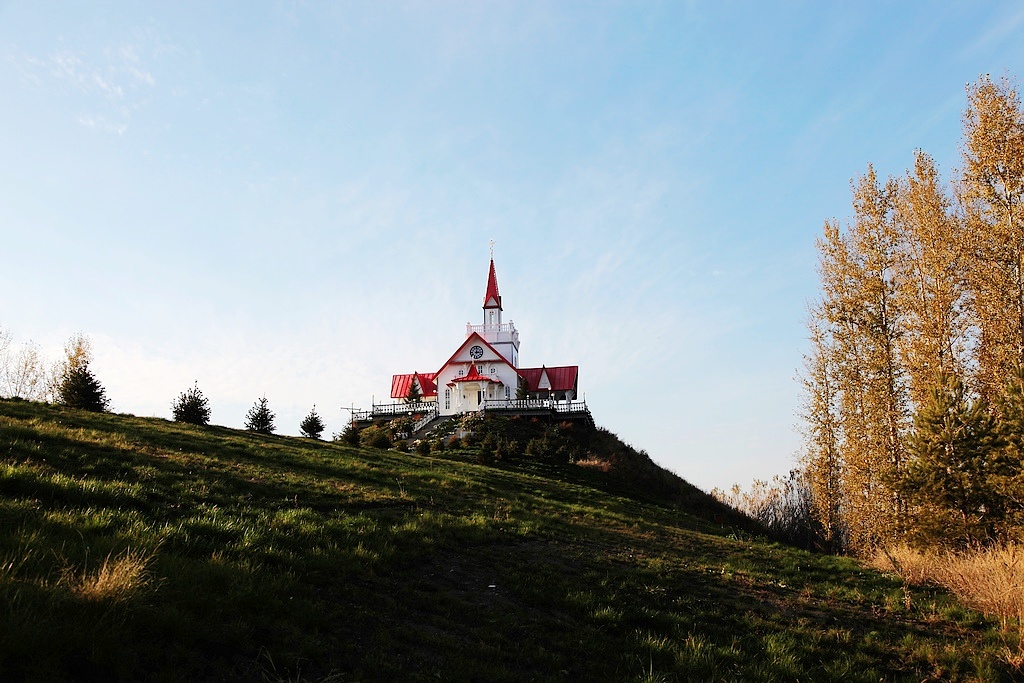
(860, 307)
(822, 459)
(991, 191)
(932, 289)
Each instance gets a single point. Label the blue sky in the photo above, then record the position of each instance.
(296, 199)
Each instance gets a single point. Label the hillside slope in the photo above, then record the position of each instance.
(139, 549)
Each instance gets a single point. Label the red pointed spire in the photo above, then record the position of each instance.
(491, 298)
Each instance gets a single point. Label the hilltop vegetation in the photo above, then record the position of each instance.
(141, 549)
(572, 450)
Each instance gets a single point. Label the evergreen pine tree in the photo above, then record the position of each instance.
(349, 435)
(260, 419)
(414, 395)
(191, 407)
(522, 391)
(312, 426)
(948, 481)
(80, 389)
(1008, 469)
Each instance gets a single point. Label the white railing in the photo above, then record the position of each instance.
(425, 420)
(536, 404)
(429, 410)
(503, 332)
(486, 327)
(571, 407)
(396, 410)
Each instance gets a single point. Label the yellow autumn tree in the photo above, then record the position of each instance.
(991, 192)
(822, 460)
(933, 294)
(77, 356)
(860, 324)
(923, 287)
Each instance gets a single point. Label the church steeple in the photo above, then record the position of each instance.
(491, 297)
(500, 335)
(492, 300)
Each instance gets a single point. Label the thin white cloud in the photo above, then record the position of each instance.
(104, 125)
(1002, 28)
(108, 88)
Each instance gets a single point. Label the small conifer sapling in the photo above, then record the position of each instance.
(312, 426)
(522, 391)
(414, 395)
(81, 389)
(349, 435)
(260, 419)
(191, 407)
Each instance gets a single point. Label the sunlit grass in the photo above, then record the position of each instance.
(138, 549)
(119, 578)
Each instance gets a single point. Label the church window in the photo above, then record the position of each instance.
(508, 393)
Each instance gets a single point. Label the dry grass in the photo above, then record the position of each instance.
(914, 566)
(595, 463)
(119, 579)
(989, 580)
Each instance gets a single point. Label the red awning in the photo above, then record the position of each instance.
(475, 376)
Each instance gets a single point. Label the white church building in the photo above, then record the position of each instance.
(483, 375)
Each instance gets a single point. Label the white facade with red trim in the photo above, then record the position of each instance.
(485, 368)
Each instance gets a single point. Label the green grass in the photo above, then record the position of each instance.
(140, 549)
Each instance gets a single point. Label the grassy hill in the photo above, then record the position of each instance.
(140, 549)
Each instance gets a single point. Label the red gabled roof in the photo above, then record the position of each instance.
(491, 297)
(562, 378)
(474, 338)
(400, 384)
(474, 376)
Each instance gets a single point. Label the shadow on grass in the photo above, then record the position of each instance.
(278, 558)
